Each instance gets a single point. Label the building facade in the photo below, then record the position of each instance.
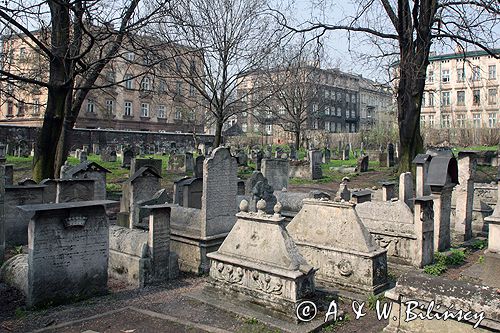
(135, 91)
(461, 91)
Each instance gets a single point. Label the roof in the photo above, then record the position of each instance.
(476, 53)
(142, 170)
(86, 165)
(421, 158)
(440, 168)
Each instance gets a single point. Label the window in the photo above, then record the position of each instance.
(315, 108)
(422, 121)
(110, 77)
(492, 120)
(431, 120)
(127, 109)
(110, 106)
(130, 56)
(327, 110)
(423, 99)
(10, 108)
(431, 99)
(327, 93)
(21, 108)
(492, 96)
(476, 73)
(161, 111)
(244, 127)
(269, 114)
(144, 109)
(327, 126)
(461, 98)
(146, 84)
(476, 97)
(178, 114)
(461, 120)
(476, 120)
(179, 88)
(22, 53)
(460, 75)
(281, 110)
(256, 127)
(430, 76)
(191, 90)
(90, 106)
(492, 72)
(445, 75)
(129, 82)
(36, 107)
(269, 129)
(445, 98)
(315, 124)
(446, 121)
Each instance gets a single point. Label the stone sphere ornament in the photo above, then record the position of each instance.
(244, 205)
(261, 205)
(277, 208)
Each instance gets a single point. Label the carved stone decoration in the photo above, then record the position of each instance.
(345, 267)
(265, 283)
(228, 273)
(75, 221)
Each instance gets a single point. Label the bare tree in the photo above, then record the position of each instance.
(76, 39)
(409, 29)
(230, 38)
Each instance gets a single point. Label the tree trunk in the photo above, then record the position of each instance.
(297, 140)
(218, 134)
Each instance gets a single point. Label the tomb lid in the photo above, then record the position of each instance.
(190, 181)
(143, 171)
(439, 151)
(423, 198)
(361, 193)
(65, 205)
(421, 158)
(467, 152)
(85, 166)
(182, 180)
(440, 168)
(388, 183)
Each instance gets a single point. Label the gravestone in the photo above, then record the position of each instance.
(198, 167)
(219, 192)
(138, 163)
(359, 197)
(263, 191)
(179, 190)
(127, 155)
(406, 189)
(315, 158)
(9, 174)
(96, 149)
(390, 155)
(256, 176)
(192, 192)
(189, 163)
(276, 172)
(464, 193)
(90, 170)
(177, 163)
(293, 152)
(327, 155)
(56, 274)
(112, 156)
(83, 156)
(258, 160)
(269, 152)
(74, 190)
(422, 165)
(242, 158)
(26, 182)
(345, 153)
(363, 163)
(382, 159)
(159, 242)
(388, 191)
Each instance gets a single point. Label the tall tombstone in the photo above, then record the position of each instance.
(406, 189)
(390, 155)
(159, 241)
(192, 191)
(83, 156)
(424, 231)
(293, 152)
(422, 165)
(388, 191)
(258, 160)
(56, 273)
(219, 190)
(198, 166)
(363, 163)
(140, 187)
(127, 155)
(9, 174)
(315, 158)
(382, 160)
(96, 149)
(276, 172)
(442, 177)
(189, 164)
(345, 153)
(256, 176)
(464, 193)
(327, 155)
(2, 200)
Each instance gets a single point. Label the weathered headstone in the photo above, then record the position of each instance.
(127, 155)
(327, 155)
(345, 153)
(424, 231)
(258, 160)
(388, 191)
(198, 167)
(263, 191)
(359, 197)
(422, 161)
(406, 189)
(276, 172)
(189, 164)
(192, 193)
(138, 163)
(382, 160)
(293, 152)
(73, 190)
(464, 193)
(83, 156)
(90, 170)
(242, 158)
(363, 163)
(315, 158)
(390, 155)
(9, 174)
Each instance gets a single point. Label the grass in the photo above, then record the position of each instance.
(442, 261)
(477, 148)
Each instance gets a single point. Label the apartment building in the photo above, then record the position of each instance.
(461, 91)
(141, 89)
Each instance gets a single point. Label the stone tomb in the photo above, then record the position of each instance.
(90, 170)
(259, 260)
(276, 172)
(68, 252)
(340, 247)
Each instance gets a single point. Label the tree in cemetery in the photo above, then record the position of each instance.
(62, 47)
(226, 40)
(409, 29)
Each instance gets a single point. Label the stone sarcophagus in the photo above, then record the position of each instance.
(331, 237)
(259, 260)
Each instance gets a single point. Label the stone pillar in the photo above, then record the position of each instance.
(424, 231)
(159, 241)
(442, 212)
(464, 196)
(2, 201)
(406, 189)
(387, 191)
(422, 162)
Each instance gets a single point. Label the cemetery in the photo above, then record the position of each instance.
(166, 239)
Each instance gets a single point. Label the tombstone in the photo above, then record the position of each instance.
(26, 182)
(464, 193)
(189, 163)
(269, 152)
(315, 158)
(343, 192)
(49, 190)
(252, 180)
(112, 156)
(442, 177)
(494, 223)
(345, 154)
(65, 169)
(359, 197)
(86, 149)
(192, 190)
(382, 160)
(74, 190)
(258, 160)
(241, 187)
(53, 272)
(198, 167)
(406, 189)
(83, 156)
(127, 155)
(276, 172)
(293, 152)
(89, 170)
(327, 155)
(340, 247)
(138, 163)
(423, 220)
(96, 149)
(179, 190)
(422, 161)
(159, 242)
(263, 191)
(388, 191)
(9, 174)
(363, 163)
(242, 158)
(177, 163)
(390, 155)
(277, 282)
